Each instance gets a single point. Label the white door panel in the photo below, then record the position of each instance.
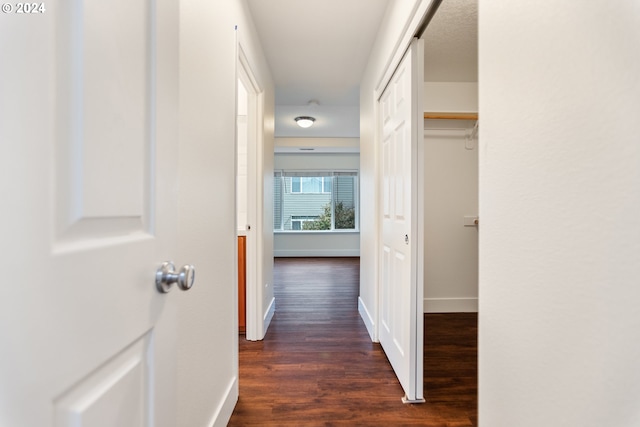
(89, 340)
(400, 293)
(121, 383)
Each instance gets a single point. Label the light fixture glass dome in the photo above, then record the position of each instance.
(304, 121)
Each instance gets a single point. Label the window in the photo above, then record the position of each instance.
(308, 184)
(298, 222)
(318, 200)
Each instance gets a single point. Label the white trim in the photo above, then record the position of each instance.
(451, 305)
(369, 323)
(266, 321)
(288, 253)
(418, 127)
(322, 232)
(223, 412)
(254, 242)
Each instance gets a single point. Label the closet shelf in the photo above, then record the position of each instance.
(451, 116)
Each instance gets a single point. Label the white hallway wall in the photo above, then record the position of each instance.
(207, 327)
(559, 192)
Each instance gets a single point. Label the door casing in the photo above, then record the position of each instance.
(255, 325)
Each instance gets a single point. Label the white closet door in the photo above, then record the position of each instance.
(401, 314)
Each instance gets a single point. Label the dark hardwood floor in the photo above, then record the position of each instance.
(318, 367)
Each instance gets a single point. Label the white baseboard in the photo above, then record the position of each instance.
(451, 305)
(286, 253)
(268, 316)
(368, 320)
(225, 409)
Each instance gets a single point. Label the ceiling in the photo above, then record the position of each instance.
(318, 49)
(451, 43)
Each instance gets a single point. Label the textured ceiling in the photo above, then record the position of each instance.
(451, 43)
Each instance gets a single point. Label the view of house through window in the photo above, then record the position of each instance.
(317, 200)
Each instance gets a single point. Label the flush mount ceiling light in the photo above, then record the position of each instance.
(304, 121)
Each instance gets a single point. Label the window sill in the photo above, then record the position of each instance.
(316, 231)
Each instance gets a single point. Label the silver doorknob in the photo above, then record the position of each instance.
(167, 276)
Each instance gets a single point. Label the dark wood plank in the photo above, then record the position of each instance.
(317, 365)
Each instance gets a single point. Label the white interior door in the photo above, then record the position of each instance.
(89, 133)
(401, 314)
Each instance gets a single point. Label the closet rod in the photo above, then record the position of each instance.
(451, 116)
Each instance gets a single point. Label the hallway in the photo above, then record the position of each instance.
(317, 365)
